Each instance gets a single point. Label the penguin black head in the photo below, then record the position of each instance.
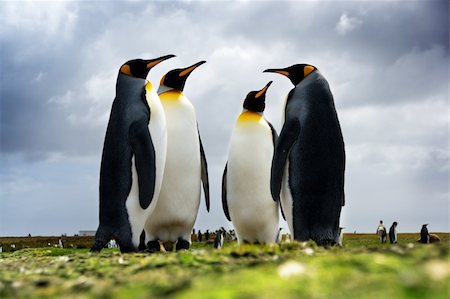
(256, 100)
(177, 78)
(395, 223)
(139, 68)
(296, 73)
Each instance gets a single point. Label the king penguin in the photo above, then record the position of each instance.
(133, 157)
(186, 167)
(246, 198)
(309, 160)
(393, 233)
(424, 234)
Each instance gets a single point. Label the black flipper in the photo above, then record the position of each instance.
(343, 182)
(274, 134)
(274, 140)
(205, 180)
(224, 193)
(287, 138)
(144, 158)
(282, 212)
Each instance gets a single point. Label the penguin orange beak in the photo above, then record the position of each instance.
(263, 90)
(283, 72)
(151, 63)
(186, 71)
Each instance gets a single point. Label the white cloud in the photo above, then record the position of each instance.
(55, 18)
(347, 24)
(65, 100)
(39, 77)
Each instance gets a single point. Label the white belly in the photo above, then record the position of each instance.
(252, 210)
(179, 198)
(158, 132)
(286, 199)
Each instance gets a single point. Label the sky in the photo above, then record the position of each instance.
(387, 63)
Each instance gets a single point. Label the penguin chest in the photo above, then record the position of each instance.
(183, 147)
(252, 209)
(179, 198)
(158, 131)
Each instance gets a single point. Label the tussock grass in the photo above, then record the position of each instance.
(362, 268)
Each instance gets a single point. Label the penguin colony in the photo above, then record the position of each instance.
(153, 164)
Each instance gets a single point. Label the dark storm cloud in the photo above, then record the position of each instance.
(45, 64)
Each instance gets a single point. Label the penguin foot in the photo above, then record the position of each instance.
(325, 242)
(127, 249)
(182, 244)
(98, 246)
(142, 247)
(153, 246)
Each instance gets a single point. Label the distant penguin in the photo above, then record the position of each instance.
(218, 240)
(309, 160)
(381, 232)
(185, 168)
(133, 157)
(393, 233)
(341, 236)
(246, 197)
(424, 234)
(278, 238)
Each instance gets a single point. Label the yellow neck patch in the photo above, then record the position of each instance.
(171, 95)
(249, 116)
(148, 86)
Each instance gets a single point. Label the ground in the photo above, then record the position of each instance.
(362, 268)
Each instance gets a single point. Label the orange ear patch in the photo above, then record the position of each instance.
(307, 70)
(125, 69)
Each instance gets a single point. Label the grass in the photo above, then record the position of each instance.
(363, 268)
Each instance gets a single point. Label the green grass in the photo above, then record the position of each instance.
(363, 268)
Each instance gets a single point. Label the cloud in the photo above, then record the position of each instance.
(347, 24)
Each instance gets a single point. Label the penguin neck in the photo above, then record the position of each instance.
(250, 116)
(162, 89)
(123, 79)
(127, 85)
(311, 77)
(250, 111)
